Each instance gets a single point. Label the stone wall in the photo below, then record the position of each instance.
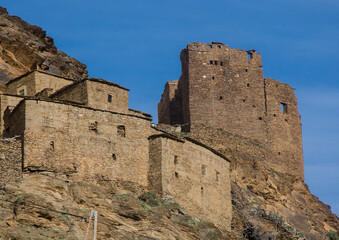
(36, 81)
(25, 82)
(170, 107)
(96, 93)
(7, 101)
(197, 178)
(10, 159)
(86, 142)
(225, 89)
(76, 92)
(100, 91)
(284, 137)
(44, 80)
(222, 87)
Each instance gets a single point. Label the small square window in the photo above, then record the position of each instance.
(22, 92)
(211, 62)
(283, 107)
(110, 97)
(121, 131)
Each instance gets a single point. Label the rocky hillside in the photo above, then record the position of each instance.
(25, 47)
(55, 206)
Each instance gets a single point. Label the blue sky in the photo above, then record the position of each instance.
(137, 44)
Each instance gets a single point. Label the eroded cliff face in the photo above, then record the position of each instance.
(25, 47)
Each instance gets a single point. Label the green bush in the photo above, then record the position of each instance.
(192, 221)
(150, 198)
(145, 206)
(332, 235)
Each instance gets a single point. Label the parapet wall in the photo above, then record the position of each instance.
(10, 159)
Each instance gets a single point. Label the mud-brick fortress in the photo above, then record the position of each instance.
(84, 128)
(223, 87)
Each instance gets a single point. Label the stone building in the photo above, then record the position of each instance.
(223, 87)
(194, 174)
(85, 129)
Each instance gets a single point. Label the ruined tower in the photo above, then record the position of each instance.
(223, 87)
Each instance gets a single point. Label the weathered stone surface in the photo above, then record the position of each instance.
(62, 137)
(223, 87)
(195, 177)
(25, 47)
(10, 160)
(97, 94)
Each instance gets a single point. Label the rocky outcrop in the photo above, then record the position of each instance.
(25, 47)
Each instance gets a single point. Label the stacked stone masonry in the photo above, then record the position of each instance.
(85, 129)
(223, 87)
(192, 174)
(10, 159)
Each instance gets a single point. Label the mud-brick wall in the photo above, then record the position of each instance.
(10, 159)
(86, 142)
(197, 179)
